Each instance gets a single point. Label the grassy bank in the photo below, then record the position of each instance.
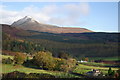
(6, 68)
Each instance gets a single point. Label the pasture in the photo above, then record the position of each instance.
(6, 68)
(81, 68)
(105, 58)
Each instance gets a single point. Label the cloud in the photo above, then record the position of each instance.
(64, 15)
(70, 14)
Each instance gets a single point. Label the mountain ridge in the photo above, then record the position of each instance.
(29, 23)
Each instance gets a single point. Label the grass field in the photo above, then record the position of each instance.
(105, 58)
(97, 64)
(81, 68)
(6, 56)
(6, 68)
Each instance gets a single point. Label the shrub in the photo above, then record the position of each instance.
(68, 65)
(64, 55)
(14, 74)
(19, 58)
(7, 61)
(111, 73)
(44, 60)
(59, 62)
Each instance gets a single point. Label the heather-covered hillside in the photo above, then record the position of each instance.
(75, 44)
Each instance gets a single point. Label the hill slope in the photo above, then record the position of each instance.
(29, 23)
(76, 44)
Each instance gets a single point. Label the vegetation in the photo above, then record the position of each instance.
(7, 68)
(98, 64)
(7, 61)
(77, 45)
(104, 58)
(6, 56)
(21, 46)
(110, 72)
(17, 74)
(80, 69)
(46, 55)
(44, 60)
(19, 58)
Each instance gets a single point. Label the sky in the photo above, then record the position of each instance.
(96, 16)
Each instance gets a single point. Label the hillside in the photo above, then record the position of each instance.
(29, 23)
(75, 44)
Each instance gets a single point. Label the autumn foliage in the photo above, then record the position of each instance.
(45, 60)
(19, 58)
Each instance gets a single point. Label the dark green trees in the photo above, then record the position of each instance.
(111, 72)
(21, 46)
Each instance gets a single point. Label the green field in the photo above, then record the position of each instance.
(105, 58)
(97, 64)
(6, 56)
(81, 68)
(6, 68)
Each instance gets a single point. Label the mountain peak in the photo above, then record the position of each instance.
(27, 17)
(28, 23)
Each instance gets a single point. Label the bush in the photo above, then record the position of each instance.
(14, 74)
(69, 65)
(44, 60)
(111, 73)
(7, 61)
(19, 58)
(59, 62)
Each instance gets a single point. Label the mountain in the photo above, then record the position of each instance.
(13, 31)
(29, 23)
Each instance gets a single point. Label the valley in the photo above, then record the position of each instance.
(52, 53)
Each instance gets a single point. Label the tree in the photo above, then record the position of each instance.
(44, 60)
(68, 65)
(59, 62)
(19, 58)
(63, 55)
(111, 72)
(86, 59)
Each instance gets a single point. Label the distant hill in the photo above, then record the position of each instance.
(95, 36)
(29, 23)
